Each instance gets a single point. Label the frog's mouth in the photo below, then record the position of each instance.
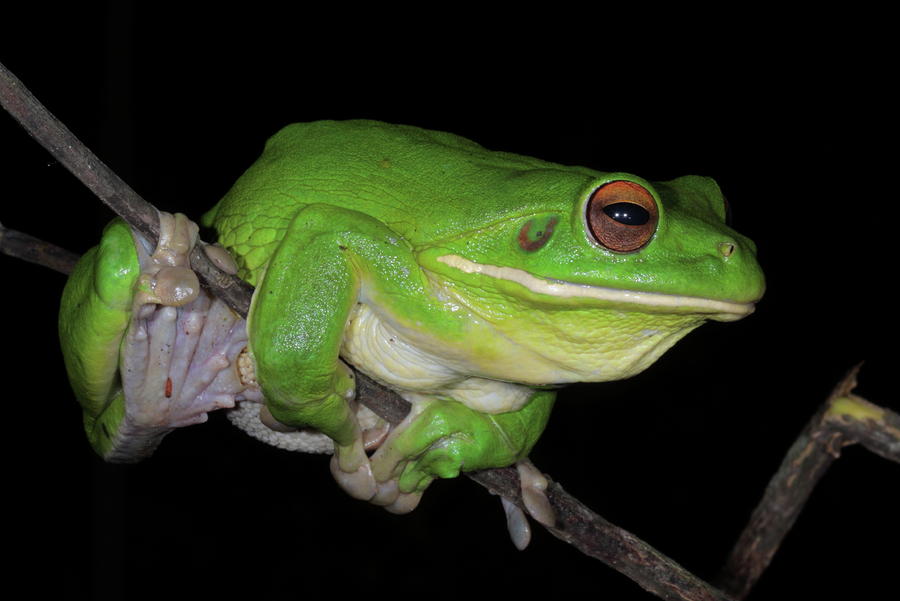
(718, 309)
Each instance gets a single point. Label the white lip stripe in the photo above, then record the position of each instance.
(570, 290)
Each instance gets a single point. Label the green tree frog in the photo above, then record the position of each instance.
(472, 282)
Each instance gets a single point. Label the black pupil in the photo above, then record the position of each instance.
(627, 213)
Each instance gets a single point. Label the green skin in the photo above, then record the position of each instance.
(480, 263)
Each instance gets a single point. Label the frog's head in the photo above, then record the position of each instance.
(613, 270)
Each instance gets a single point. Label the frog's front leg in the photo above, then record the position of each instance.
(442, 438)
(147, 351)
(329, 259)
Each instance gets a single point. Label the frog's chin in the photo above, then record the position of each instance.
(718, 310)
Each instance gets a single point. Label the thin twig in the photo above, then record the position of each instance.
(596, 537)
(844, 419)
(28, 248)
(75, 156)
(54, 136)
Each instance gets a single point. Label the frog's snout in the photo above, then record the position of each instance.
(740, 257)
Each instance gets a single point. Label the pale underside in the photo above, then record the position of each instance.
(495, 365)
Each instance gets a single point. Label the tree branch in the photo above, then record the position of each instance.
(109, 187)
(844, 419)
(31, 249)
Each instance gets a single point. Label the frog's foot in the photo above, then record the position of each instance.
(438, 439)
(350, 464)
(179, 355)
(177, 364)
(532, 484)
(352, 470)
(166, 277)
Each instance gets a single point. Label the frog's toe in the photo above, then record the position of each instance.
(533, 484)
(177, 362)
(353, 472)
(166, 277)
(394, 500)
(516, 524)
(388, 493)
(359, 484)
(405, 503)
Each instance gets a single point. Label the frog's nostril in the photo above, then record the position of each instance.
(727, 249)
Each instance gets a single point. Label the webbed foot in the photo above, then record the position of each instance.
(179, 354)
(438, 439)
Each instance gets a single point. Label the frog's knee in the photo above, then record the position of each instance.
(94, 313)
(116, 267)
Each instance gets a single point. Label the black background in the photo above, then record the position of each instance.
(789, 114)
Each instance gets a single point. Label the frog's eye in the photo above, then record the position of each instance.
(622, 215)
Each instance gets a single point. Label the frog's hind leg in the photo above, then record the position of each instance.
(147, 351)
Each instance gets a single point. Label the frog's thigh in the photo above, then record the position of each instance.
(94, 314)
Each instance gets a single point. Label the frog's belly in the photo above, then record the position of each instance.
(531, 348)
(417, 370)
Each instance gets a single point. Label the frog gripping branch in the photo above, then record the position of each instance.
(469, 281)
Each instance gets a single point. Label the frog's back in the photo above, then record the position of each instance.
(424, 184)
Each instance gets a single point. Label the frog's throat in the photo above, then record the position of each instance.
(724, 309)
